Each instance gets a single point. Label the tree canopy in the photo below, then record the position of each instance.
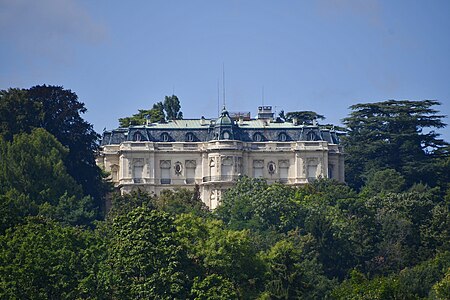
(392, 134)
(162, 111)
(58, 111)
(306, 117)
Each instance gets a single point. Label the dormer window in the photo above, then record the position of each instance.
(189, 137)
(282, 137)
(137, 137)
(311, 136)
(226, 135)
(257, 137)
(165, 137)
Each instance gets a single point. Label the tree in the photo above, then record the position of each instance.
(145, 259)
(217, 250)
(254, 204)
(180, 201)
(33, 165)
(384, 181)
(172, 108)
(162, 111)
(62, 118)
(34, 179)
(17, 113)
(59, 112)
(213, 287)
(393, 134)
(153, 115)
(43, 260)
(303, 117)
(293, 271)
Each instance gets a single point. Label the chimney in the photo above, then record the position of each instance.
(314, 122)
(147, 120)
(241, 120)
(202, 121)
(295, 121)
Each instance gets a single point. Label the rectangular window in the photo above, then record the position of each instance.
(258, 168)
(312, 170)
(190, 175)
(165, 176)
(284, 173)
(258, 172)
(165, 171)
(137, 173)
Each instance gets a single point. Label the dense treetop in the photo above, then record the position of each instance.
(399, 135)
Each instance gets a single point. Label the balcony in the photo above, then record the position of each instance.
(220, 178)
(166, 180)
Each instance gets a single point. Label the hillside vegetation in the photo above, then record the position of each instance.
(383, 235)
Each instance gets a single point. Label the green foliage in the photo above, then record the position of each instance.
(409, 283)
(167, 110)
(58, 111)
(17, 113)
(33, 165)
(213, 287)
(180, 201)
(401, 219)
(155, 114)
(44, 260)
(391, 241)
(172, 108)
(293, 271)
(218, 250)
(144, 258)
(396, 135)
(124, 204)
(252, 203)
(34, 180)
(303, 117)
(14, 207)
(442, 288)
(384, 181)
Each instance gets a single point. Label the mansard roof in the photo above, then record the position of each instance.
(203, 130)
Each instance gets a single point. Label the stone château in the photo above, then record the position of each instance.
(214, 153)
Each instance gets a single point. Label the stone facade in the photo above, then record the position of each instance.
(214, 153)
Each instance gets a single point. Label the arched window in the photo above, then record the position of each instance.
(282, 137)
(165, 137)
(257, 137)
(189, 137)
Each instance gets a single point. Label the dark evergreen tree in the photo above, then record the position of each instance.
(393, 134)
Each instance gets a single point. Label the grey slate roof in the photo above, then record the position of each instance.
(198, 130)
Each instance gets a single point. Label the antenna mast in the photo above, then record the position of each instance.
(223, 83)
(218, 98)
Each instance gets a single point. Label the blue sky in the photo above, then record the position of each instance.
(325, 55)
